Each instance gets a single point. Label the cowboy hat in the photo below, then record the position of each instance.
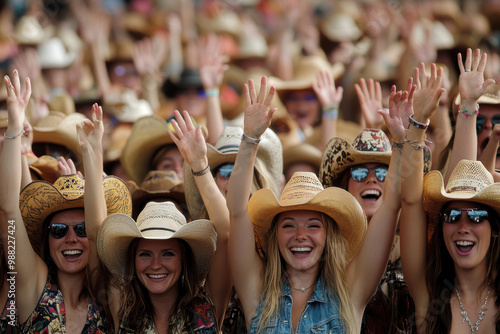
(53, 54)
(268, 164)
(470, 181)
(305, 192)
(40, 199)
(45, 168)
(339, 26)
(189, 78)
(370, 146)
(126, 107)
(302, 153)
(117, 140)
(490, 96)
(156, 184)
(158, 221)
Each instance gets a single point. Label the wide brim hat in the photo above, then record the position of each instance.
(221, 22)
(158, 221)
(127, 108)
(470, 181)
(304, 192)
(53, 54)
(370, 146)
(63, 103)
(339, 26)
(45, 168)
(117, 140)
(268, 164)
(304, 153)
(157, 184)
(40, 199)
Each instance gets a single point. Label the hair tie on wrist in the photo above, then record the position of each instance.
(201, 172)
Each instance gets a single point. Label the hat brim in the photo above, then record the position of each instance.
(118, 231)
(334, 202)
(141, 196)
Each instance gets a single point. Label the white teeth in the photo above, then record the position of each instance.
(300, 249)
(370, 192)
(465, 243)
(157, 276)
(72, 252)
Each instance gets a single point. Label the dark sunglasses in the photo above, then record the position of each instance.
(475, 216)
(480, 120)
(361, 173)
(225, 170)
(59, 230)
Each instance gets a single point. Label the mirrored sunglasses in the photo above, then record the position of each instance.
(475, 216)
(360, 174)
(59, 230)
(225, 170)
(480, 120)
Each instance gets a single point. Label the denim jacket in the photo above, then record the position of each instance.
(321, 314)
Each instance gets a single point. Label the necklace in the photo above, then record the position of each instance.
(303, 289)
(473, 327)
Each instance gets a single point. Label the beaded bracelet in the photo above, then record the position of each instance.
(13, 137)
(212, 92)
(201, 172)
(417, 124)
(249, 140)
(467, 112)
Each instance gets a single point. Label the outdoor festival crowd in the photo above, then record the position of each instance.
(250, 166)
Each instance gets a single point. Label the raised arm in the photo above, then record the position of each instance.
(471, 86)
(246, 266)
(330, 97)
(31, 270)
(489, 156)
(369, 265)
(413, 229)
(90, 134)
(193, 148)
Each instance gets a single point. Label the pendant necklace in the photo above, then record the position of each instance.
(473, 327)
(302, 289)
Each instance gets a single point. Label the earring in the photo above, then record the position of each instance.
(182, 279)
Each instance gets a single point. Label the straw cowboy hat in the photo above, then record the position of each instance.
(39, 199)
(370, 146)
(490, 96)
(157, 184)
(117, 140)
(268, 164)
(158, 221)
(470, 181)
(302, 153)
(53, 54)
(126, 107)
(305, 192)
(63, 102)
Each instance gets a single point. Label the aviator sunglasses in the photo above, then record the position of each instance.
(360, 174)
(480, 120)
(59, 230)
(475, 216)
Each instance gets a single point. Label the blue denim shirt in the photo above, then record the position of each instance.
(321, 314)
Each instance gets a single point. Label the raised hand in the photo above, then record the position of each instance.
(258, 114)
(90, 133)
(400, 108)
(189, 141)
(428, 92)
(212, 61)
(150, 53)
(471, 83)
(324, 87)
(370, 100)
(16, 104)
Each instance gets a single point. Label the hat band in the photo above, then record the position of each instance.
(228, 149)
(158, 228)
(464, 188)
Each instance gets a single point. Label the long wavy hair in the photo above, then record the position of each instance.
(333, 274)
(136, 305)
(441, 277)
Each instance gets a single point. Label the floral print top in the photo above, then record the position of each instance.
(49, 315)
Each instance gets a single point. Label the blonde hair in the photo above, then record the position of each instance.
(333, 275)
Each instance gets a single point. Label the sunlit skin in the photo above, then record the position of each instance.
(301, 238)
(369, 192)
(190, 100)
(70, 254)
(303, 106)
(158, 265)
(172, 160)
(480, 235)
(488, 111)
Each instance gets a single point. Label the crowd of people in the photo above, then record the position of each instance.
(253, 166)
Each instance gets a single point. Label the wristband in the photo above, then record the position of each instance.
(201, 172)
(467, 112)
(212, 92)
(331, 111)
(417, 124)
(250, 140)
(13, 137)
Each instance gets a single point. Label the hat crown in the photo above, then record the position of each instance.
(229, 140)
(70, 186)
(160, 216)
(160, 180)
(372, 140)
(301, 187)
(469, 176)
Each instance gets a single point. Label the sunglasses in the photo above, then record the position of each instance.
(225, 171)
(59, 230)
(475, 216)
(480, 120)
(360, 174)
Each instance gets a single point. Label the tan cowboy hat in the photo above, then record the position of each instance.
(4, 119)
(305, 192)
(53, 54)
(158, 221)
(224, 21)
(156, 184)
(45, 168)
(268, 164)
(126, 107)
(370, 146)
(63, 103)
(490, 96)
(117, 140)
(302, 152)
(29, 31)
(40, 199)
(339, 26)
(470, 181)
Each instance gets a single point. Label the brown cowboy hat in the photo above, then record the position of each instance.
(305, 192)
(39, 199)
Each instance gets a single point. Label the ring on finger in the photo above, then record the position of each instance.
(467, 70)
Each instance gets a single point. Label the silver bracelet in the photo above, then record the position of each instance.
(249, 140)
(14, 137)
